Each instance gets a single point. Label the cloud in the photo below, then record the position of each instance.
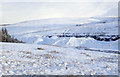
(22, 11)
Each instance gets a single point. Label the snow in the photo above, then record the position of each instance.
(38, 28)
(92, 43)
(61, 55)
(26, 59)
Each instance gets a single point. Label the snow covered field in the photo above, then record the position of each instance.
(27, 59)
(42, 54)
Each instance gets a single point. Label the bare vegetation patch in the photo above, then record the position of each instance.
(28, 52)
(40, 48)
(54, 52)
(85, 54)
(47, 56)
(8, 51)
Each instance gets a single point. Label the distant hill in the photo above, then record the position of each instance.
(4, 24)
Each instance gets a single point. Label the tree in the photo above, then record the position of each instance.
(6, 32)
(5, 37)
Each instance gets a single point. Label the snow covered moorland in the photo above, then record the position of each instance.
(64, 46)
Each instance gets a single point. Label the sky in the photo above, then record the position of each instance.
(13, 12)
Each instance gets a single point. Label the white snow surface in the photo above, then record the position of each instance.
(35, 31)
(25, 59)
(60, 55)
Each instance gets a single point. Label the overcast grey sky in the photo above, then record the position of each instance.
(14, 12)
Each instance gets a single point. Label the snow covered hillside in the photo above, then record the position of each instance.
(46, 31)
(63, 46)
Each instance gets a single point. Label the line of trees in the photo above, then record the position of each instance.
(5, 37)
